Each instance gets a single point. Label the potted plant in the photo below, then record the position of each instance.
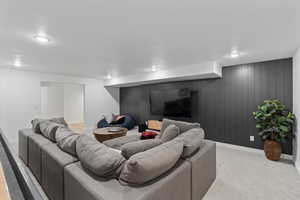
(275, 124)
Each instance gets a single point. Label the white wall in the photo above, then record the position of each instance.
(21, 99)
(52, 101)
(1, 100)
(73, 103)
(296, 102)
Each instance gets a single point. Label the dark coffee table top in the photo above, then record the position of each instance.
(105, 131)
(103, 134)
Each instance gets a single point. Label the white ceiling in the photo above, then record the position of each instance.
(95, 37)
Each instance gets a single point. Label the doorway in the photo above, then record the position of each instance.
(64, 100)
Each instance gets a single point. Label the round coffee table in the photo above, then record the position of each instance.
(103, 134)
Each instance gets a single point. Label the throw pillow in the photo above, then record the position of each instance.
(49, 128)
(148, 135)
(170, 133)
(59, 120)
(36, 123)
(98, 158)
(66, 140)
(132, 148)
(192, 140)
(148, 165)
(183, 126)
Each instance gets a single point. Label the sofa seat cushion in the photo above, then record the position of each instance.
(132, 148)
(117, 143)
(35, 144)
(183, 126)
(23, 144)
(192, 140)
(169, 133)
(54, 161)
(148, 165)
(98, 158)
(66, 140)
(81, 184)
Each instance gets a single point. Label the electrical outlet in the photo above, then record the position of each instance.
(251, 138)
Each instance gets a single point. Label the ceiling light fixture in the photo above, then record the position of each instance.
(17, 62)
(234, 54)
(108, 77)
(154, 69)
(42, 38)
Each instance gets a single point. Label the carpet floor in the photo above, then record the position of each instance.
(243, 175)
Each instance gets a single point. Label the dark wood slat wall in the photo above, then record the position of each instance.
(224, 106)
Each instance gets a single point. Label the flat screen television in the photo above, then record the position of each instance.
(172, 103)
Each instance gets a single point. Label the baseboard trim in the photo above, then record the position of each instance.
(297, 165)
(252, 150)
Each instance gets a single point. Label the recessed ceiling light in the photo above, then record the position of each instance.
(154, 69)
(17, 63)
(108, 77)
(234, 54)
(41, 38)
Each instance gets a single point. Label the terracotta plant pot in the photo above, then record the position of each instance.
(273, 150)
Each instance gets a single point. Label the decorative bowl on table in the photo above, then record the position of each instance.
(114, 129)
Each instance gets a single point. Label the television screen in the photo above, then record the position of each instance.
(173, 103)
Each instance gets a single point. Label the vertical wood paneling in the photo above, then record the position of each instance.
(224, 106)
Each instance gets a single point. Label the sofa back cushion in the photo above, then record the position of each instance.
(59, 120)
(192, 141)
(66, 140)
(148, 165)
(98, 158)
(183, 126)
(132, 148)
(48, 129)
(171, 132)
(36, 123)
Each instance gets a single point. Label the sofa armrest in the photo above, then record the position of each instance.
(23, 144)
(203, 165)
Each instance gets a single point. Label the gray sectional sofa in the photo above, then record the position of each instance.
(64, 177)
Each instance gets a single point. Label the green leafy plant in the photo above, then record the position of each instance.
(274, 121)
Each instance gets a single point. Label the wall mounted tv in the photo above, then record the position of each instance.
(172, 103)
